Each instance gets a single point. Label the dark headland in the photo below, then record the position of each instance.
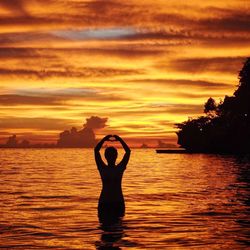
(225, 127)
(171, 151)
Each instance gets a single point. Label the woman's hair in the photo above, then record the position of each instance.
(110, 154)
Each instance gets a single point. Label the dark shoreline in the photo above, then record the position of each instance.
(184, 151)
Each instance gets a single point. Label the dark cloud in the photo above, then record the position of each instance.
(51, 53)
(149, 127)
(12, 99)
(4, 133)
(224, 20)
(10, 40)
(38, 123)
(95, 122)
(114, 13)
(20, 7)
(127, 52)
(86, 72)
(190, 95)
(166, 123)
(34, 138)
(33, 108)
(30, 22)
(57, 98)
(97, 6)
(143, 127)
(237, 21)
(16, 6)
(184, 109)
(79, 14)
(173, 108)
(62, 93)
(225, 41)
(215, 64)
(17, 53)
(160, 35)
(151, 109)
(27, 54)
(183, 83)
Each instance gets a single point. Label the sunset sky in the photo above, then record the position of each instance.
(144, 65)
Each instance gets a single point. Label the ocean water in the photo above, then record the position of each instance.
(49, 199)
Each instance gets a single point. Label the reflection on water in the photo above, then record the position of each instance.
(111, 235)
(49, 200)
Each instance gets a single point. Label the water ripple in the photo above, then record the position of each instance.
(49, 201)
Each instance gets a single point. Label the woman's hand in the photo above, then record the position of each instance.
(107, 137)
(117, 138)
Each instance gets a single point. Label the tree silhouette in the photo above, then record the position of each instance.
(210, 106)
(244, 84)
(226, 126)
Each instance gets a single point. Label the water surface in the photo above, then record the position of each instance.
(49, 201)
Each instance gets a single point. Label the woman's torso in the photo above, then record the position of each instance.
(111, 184)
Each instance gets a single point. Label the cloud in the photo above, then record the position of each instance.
(4, 133)
(29, 23)
(185, 109)
(54, 54)
(86, 72)
(80, 14)
(26, 40)
(130, 52)
(188, 94)
(167, 35)
(57, 92)
(175, 108)
(17, 53)
(158, 109)
(95, 122)
(182, 83)
(106, 33)
(237, 21)
(16, 6)
(36, 123)
(228, 20)
(127, 33)
(57, 97)
(157, 126)
(214, 64)
(12, 99)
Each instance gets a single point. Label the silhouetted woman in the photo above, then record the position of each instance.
(111, 202)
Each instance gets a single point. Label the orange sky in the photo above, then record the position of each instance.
(144, 65)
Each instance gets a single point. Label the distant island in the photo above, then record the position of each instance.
(225, 127)
(73, 138)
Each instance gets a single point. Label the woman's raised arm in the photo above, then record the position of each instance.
(126, 156)
(98, 158)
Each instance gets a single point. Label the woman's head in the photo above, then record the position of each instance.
(111, 155)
